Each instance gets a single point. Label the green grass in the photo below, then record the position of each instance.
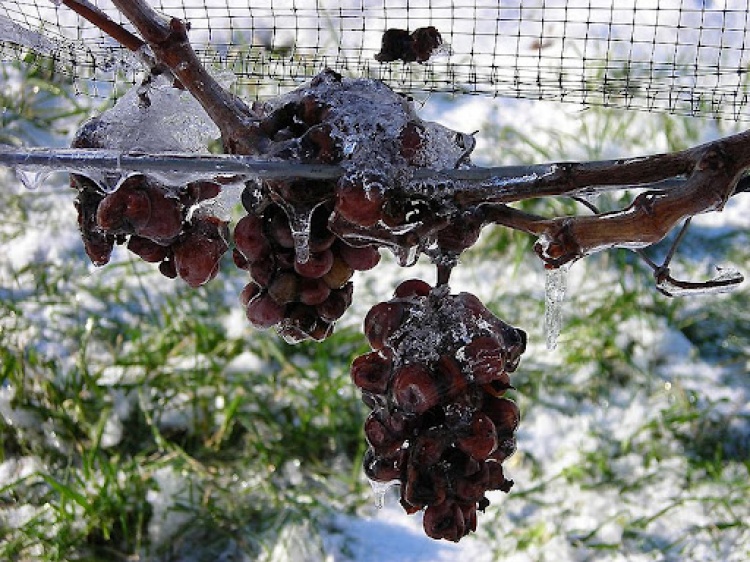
(129, 401)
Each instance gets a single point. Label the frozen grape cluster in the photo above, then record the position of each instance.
(158, 223)
(302, 297)
(440, 424)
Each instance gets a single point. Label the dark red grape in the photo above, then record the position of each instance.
(372, 372)
(414, 390)
(262, 271)
(444, 521)
(359, 258)
(382, 468)
(381, 321)
(264, 312)
(357, 203)
(279, 229)
(197, 254)
(313, 291)
(249, 292)
(485, 358)
(412, 288)
(126, 209)
(504, 414)
(316, 266)
(380, 438)
(250, 239)
(496, 478)
(147, 250)
(482, 437)
(336, 304)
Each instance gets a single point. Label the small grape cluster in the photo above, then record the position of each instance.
(439, 425)
(301, 297)
(153, 220)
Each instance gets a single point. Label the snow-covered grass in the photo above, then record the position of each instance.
(144, 420)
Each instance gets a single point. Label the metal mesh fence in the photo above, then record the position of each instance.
(683, 56)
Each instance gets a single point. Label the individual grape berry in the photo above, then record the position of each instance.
(284, 288)
(382, 321)
(445, 521)
(429, 447)
(197, 253)
(481, 439)
(382, 468)
(250, 239)
(372, 372)
(336, 304)
(339, 273)
(451, 378)
(380, 437)
(412, 288)
(504, 414)
(264, 312)
(249, 292)
(317, 265)
(414, 390)
(360, 200)
(313, 291)
(126, 209)
(485, 359)
(147, 250)
(278, 228)
(359, 258)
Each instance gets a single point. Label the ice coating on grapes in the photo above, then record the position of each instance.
(440, 423)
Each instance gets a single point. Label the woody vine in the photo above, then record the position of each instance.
(440, 363)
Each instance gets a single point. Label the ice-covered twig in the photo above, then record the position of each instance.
(725, 281)
(210, 165)
(717, 170)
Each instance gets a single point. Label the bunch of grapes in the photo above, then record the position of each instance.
(302, 297)
(158, 223)
(440, 425)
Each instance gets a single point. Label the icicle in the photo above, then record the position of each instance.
(32, 178)
(406, 256)
(299, 222)
(554, 292)
(379, 490)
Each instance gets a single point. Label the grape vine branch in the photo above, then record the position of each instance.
(710, 173)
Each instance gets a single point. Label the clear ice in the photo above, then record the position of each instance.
(556, 284)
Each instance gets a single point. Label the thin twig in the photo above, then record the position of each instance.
(101, 20)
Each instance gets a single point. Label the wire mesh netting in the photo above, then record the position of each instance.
(683, 56)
